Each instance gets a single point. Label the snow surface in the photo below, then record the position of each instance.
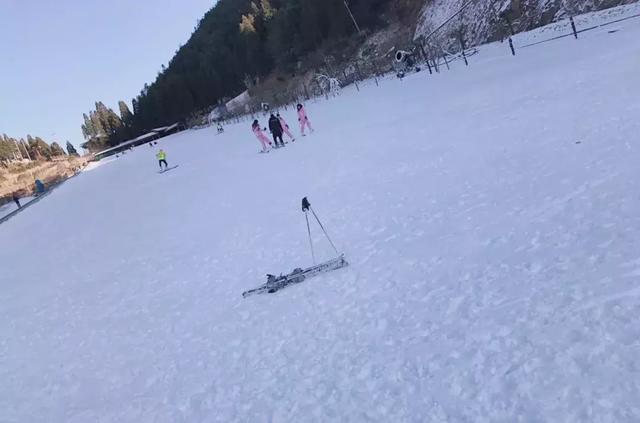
(9, 207)
(491, 216)
(606, 17)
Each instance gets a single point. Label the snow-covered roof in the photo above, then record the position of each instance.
(238, 101)
(165, 128)
(143, 137)
(151, 134)
(127, 143)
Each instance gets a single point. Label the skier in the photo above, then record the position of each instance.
(285, 127)
(255, 127)
(16, 200)
(276, 130)
(162, 158)
(220, 128)
(303, 119)
(40, 188)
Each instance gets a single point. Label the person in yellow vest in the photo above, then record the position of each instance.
(162, 159)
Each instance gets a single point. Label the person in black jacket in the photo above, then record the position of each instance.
(16, 200)
(276, 130)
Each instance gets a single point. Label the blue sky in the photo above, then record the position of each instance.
(58, 57)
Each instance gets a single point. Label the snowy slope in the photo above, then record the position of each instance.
(607, 20)
(485, 20)
(491, 217)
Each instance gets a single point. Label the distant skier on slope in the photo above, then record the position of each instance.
(40, 188)
(303, 119)
(255, 127)
(285, 127)
(16, 199)
(276, 130)
(162, 159)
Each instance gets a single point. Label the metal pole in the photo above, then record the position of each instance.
(313, 256)
(573, 27)
(352, 17)
(324, 230)
(464, 55)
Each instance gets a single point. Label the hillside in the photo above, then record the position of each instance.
(278, 48)
(20, 177)
(490, 215)
(491, 20)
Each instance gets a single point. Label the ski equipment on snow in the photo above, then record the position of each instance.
(306, 207)
(166, 169)
(276, 283)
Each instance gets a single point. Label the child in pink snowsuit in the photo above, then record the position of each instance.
(285, 127)
(303, 119)
(260, 135)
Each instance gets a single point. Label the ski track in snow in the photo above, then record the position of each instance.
(494, 276)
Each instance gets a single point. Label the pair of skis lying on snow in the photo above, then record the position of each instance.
(276, 283)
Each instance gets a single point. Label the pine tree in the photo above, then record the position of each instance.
(88, 130)
(110, 122)
(14, 146)
(43, 148)
(71, 150)
(6, 153)
(102, 114)
(96, 125)
(113, 121)
(125, 114)
(56, 150)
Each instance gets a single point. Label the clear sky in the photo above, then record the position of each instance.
(57, 57)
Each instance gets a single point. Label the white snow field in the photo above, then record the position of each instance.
(491, 216)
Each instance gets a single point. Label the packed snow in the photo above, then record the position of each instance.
(10, 207)
(490, 214)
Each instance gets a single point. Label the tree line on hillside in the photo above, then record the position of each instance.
(235, 42)
(12, 149)
(103, 127)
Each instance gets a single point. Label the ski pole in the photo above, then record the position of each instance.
(323, 230)
(313, 256)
